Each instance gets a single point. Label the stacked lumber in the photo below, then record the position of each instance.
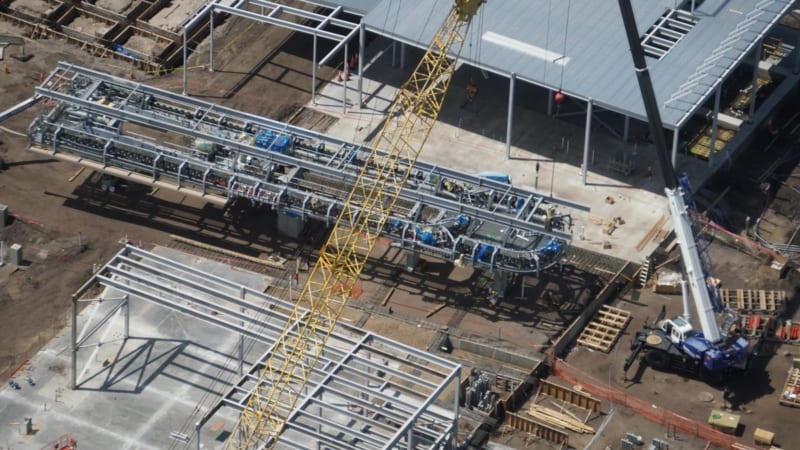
(563, 420)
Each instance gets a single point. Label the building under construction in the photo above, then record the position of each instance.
(170, 346)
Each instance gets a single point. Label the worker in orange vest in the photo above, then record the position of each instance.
(472, 91)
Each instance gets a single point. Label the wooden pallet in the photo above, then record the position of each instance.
(603, 331)
(792, 383)
(612, 316)
(754, 301)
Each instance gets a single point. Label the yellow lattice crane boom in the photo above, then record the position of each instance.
(363, 216)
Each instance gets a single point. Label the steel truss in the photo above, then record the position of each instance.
(441, 212)
(365, 390)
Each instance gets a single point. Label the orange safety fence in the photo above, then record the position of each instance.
(648, 410)
(736, 239)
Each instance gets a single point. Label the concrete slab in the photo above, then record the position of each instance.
(134, 392)
(146, 376)
(473, 139)
(173, 16)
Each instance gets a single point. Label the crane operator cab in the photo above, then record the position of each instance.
(678, 330)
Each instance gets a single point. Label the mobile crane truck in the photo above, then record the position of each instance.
(673, 344)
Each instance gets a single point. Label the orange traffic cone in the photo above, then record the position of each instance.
(5, 69)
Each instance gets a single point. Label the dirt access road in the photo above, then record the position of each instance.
(69, 224)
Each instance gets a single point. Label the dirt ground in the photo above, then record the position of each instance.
(261, 66)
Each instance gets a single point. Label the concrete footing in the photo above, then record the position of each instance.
(412, 261)
(15, 255)
(500, 285)
(290, 225)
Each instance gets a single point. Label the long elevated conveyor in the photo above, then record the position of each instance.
(152, 136)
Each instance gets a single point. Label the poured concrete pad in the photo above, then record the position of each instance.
(118, 6)
(173, 16)
(34, 8)
(142, 45)
(89, 26)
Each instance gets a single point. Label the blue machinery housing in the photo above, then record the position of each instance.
(130, 130)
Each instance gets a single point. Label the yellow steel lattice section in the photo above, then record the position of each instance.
(322, 299)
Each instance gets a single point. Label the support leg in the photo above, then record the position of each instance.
(362, 36)
(587, 140)
(412, 261)
(211, 41)
(510, 120)
(314, 71)
(626, 129)
(74, 343)
(184, 60)
(754, 85)
(714, 126)
(344, 81)
(500, 286)
(675, 141)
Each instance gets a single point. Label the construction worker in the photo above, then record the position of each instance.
(472, 91)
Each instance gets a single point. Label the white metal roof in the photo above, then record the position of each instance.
(580, 45)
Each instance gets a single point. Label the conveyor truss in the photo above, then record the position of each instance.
(152, 136)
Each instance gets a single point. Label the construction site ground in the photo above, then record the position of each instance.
(67, 224)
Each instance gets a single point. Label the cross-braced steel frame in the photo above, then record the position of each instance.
(366, 392)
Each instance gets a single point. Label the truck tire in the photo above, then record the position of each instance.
(657, 359)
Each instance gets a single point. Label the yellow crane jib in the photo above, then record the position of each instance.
(365, 212)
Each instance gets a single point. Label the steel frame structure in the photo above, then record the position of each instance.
(271, 13)
(488, 224)
(385, 387)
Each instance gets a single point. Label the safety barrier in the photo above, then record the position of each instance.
(648, 410)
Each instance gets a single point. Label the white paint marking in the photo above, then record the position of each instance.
(524, 47)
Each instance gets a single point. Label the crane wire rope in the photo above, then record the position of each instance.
(564, 50)
(547, 41)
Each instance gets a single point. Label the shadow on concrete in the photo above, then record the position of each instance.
(140, 364)
(549, 301)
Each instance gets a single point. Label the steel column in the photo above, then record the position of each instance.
(456, 412)
(754, 86)
(314, 71)
(344, 81)
(74, 342)
(402, 55)
(675, 138)
(714, 125)
(127, 317)
(362, 36)
(797, 53)
(211, 41)
(626, 129)
(549, 103)
(241, 336)
(587, 140)
(197, 427)
(184, 60)
(394, 54)
(511, 79)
